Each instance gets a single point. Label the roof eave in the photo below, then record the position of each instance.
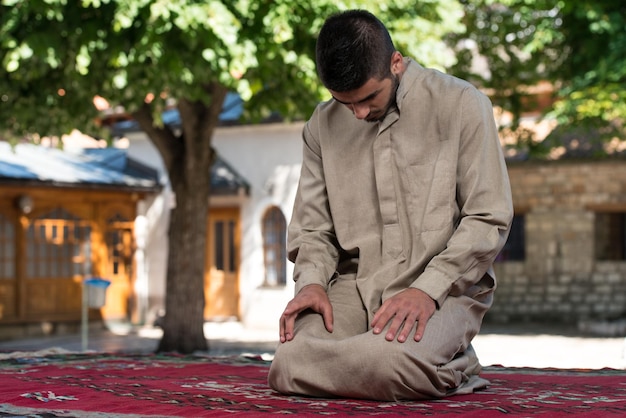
(89, 186)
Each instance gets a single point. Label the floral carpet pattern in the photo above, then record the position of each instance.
(117, 385)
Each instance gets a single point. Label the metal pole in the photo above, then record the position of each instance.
(84, 318)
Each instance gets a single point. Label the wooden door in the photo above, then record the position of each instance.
(8, 265)
(119, 266)
(221, 283)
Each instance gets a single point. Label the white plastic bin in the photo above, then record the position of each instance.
(96, 292)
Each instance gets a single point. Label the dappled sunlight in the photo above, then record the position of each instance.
(532, 127)
(615, 145)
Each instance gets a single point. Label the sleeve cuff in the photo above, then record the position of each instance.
(306, 280)
(434, 285)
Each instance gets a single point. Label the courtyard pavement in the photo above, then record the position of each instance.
(525, 345)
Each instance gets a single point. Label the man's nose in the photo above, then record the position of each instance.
(360, 110)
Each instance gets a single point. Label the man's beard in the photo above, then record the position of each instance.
(391, 104)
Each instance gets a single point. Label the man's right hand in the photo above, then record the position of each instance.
(312, 297)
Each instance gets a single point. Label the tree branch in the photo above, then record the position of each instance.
(166, 142)
(199, 121)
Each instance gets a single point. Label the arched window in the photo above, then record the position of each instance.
(274, 247)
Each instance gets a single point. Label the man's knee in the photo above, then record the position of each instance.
(367, 366)
(278, 375)
(288, 363)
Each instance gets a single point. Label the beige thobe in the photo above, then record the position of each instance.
(420, 199)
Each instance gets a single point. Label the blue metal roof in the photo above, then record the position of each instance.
(232, 109)
(225, 180)
(97, 167)
(94, 166)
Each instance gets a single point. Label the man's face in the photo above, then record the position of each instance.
(371, 101)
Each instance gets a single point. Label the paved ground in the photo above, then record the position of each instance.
(548, 346)
(511, 345)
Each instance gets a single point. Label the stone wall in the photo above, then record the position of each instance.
(562, 278)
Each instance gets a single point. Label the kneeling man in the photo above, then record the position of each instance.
(402, 206)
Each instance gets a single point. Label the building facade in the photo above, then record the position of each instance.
(565, 260)
(65, 217)
(248, 277)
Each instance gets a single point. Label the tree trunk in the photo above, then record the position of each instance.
(188, 158)
(183, 324)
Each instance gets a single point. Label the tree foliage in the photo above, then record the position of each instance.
(593, 93)
(57, 55)
(578, 46)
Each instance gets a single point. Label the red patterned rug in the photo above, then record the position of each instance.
(114, 385)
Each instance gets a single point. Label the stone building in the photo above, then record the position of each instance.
(565, 260)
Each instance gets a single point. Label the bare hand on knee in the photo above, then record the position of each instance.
(402, 311)
(312, 297)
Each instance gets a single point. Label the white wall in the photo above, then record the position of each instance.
(268, 156)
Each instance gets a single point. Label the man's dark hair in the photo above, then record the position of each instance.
(352, 47)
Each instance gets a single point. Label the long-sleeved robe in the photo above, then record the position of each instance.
(420, 199)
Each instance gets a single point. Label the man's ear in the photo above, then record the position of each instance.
(397, 63)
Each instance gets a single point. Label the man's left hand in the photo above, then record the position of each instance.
(402, 311)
